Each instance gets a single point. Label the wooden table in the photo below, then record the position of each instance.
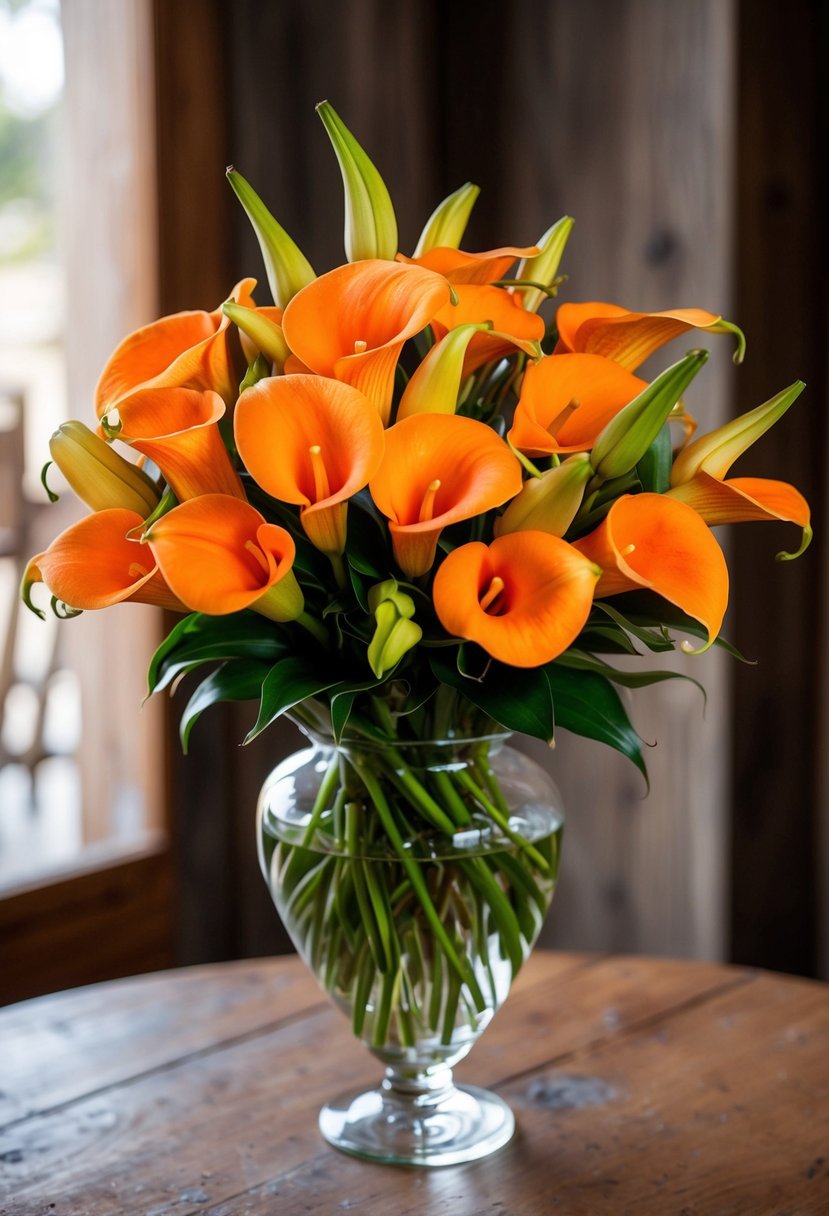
(640, 1086)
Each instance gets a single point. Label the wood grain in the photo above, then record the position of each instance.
(640, 1086)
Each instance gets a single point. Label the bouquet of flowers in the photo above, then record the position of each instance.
(403, 506)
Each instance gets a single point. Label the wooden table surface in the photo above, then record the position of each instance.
(639, 1086)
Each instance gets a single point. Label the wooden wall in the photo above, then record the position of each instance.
(625, 115)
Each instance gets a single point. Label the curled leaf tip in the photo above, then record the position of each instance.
(806, 540)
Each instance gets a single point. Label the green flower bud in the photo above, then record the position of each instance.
(287, 268)
(395, 631)
(446, 225)
(370, 224)
(100, 476)
(548, 503)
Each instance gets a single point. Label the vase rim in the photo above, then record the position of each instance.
(366, 743)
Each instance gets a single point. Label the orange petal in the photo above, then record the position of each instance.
(543, 423)
(187, 349)
(653, 541)
(439, 469)
(630, 337)
(524, 598)
(351, 323)
(93, 565)
(514, 326)
(742, 499)
(218, 553)
(177, 428)
(458, 266)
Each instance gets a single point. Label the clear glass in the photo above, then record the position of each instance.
(413, 879)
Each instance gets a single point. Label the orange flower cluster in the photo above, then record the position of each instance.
(510, 472)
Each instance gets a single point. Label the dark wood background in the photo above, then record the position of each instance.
(689, 142)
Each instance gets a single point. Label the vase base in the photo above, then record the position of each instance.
(462, 1123)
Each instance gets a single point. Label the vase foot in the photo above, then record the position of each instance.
(438, 1125)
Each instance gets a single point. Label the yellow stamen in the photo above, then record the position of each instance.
(427, 507)
(628, 549)
(491, 594)
(136, 570)
(360, 346)
(321, 487)
(256, 552)
(560, 418)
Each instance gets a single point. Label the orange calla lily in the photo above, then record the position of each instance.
(439, 469)
(512, 325)
(458, 266)
(567, 400)
(184, 350)
(177, 428)
(313, 442)
(220, 555)
(653, 541)
(524, 598)
(351, 323)
(94, 565)
(630, 337)
(743, 499)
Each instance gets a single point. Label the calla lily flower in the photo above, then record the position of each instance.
(543, 267)
(630, 337)
(458, 266)
(94, 565)
(177, 428)
(287, 268)
(512, 325)
(378, 305)
(185, 350)
(439, 469)
(99, 476)
(524, 598)
(656, 542)
(220, 555)
(567, 400)
(447, 223)
(743, 499)
(548, 503)
(699, 471)
(312, 442)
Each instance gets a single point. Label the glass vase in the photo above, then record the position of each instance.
(413, 879)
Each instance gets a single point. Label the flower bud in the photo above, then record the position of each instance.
(288, 270)
(628, 435)
(100, 476)
(548, 503)
(435, 386)
(395, 631)
(446, 225)
(265, 334)
(543, 268)
(370, 224)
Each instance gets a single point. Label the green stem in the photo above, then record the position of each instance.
(411, 867)
(314, 627)
(492, 810)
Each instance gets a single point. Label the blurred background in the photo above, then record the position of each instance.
(688, 141)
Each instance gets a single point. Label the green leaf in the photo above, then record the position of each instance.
(233, 681)
(645, 607)
(342, 703)
(288, 682)
(518, 698)
(578, 660)
(200, 639)
(587, 704)
(654, 469)
(656, 639)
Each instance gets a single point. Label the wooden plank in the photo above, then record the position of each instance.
(781, 285)
(222, 1123)
(636, 141)
(72, 1044)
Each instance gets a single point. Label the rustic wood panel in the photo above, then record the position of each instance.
(635, 140)
(641, 1086)
(781, 287)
